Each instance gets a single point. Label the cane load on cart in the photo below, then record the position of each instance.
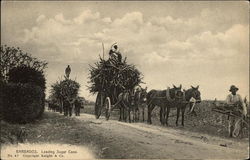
(109, 78)
(235, 110)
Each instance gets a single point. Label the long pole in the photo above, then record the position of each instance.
(102, 50)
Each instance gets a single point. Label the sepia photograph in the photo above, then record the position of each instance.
(124, 80)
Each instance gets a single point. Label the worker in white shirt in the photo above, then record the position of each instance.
(114, 53)
(235, 100)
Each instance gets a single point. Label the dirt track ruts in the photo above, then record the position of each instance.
(140, 140)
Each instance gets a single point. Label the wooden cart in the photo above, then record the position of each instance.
(106, 102)
(235, 112)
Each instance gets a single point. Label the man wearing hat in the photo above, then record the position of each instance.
(235, 100)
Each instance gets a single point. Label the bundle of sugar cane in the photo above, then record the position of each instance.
(67, 89)
(70, 88)
(108, 75)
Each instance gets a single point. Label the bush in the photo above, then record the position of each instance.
(2, 84)
(22, 85)
(42, 107)
(26, 74)
(22, 102)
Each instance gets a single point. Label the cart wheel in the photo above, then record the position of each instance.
(99, 105)
(107, 106)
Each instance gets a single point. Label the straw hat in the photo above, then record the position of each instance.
(233, 87)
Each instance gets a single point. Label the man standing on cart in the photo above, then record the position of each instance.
(235, 100)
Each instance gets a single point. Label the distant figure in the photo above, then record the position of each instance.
(67, 71)
(78, 106)
(235, 100)
(114, 53)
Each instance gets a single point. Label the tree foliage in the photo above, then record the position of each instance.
(11, 57)
(22, 85)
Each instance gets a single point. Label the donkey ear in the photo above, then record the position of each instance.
(197, 87)
(180, 86)
(245, 99)
(146, 88)
(192, 87)
(174, 86)
(214, 102)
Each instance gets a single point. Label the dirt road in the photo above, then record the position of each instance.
(140, 140)
(116, 140)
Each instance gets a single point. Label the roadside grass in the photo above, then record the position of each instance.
(52, 128)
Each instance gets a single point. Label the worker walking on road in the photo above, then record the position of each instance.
(234, 100)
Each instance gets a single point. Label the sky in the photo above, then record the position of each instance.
(189, 43)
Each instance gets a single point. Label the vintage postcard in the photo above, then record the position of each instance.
(124, 80)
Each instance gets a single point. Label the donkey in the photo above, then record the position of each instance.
(140, 102)
(246, 103)
(68, 107)
(53, 106)
(163, 99)
(77, 108)
(126, 101)
(194, 93)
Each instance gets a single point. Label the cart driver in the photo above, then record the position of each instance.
(114, 53)
(235, 100)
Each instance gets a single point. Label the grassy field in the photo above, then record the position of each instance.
(206, 121)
